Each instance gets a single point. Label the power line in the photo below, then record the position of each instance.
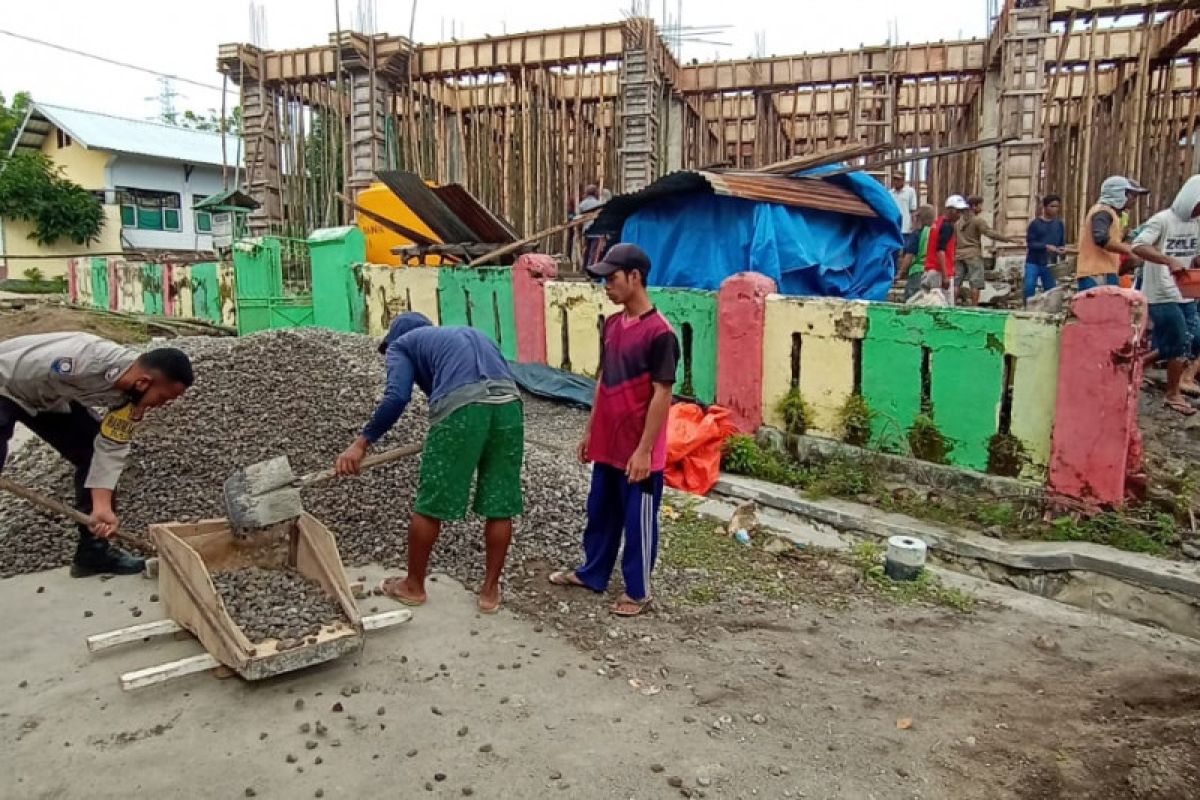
(114, 62)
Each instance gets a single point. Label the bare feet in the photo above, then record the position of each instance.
(402, 590)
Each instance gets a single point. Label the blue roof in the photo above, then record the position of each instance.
(98, 131)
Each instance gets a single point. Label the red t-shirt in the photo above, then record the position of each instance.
(635, 355)
(942, 237)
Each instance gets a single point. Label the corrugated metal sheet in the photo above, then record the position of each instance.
(98, 131)
(428, 206)
(488, 228)
(797, 192)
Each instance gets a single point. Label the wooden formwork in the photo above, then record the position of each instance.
(525, 120)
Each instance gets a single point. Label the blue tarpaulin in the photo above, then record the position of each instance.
(698, 240)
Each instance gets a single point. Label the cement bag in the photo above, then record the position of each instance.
(694, 441)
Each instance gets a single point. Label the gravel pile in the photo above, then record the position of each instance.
(304, 394)
(276, 604)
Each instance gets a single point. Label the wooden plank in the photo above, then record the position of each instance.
(317, 558)
(386, 619)
(161, 673)
(134, 633)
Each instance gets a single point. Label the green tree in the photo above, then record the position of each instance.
(210, 121)
(11, 116)
(33, 189)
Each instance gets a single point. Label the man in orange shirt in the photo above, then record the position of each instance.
(1102, 237)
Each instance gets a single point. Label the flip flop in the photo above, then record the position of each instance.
(1181, 407)
(397, 597)
(493, 610)
(567, 577)
(1190, 391)
(628, 607)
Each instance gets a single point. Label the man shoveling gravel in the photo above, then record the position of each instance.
(476, 426)
(50, 382)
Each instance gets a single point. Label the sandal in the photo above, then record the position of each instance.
(628, 607)
(1182, 407)
(1191, 390)
(489, 609)
(395, 595)
(567, 577)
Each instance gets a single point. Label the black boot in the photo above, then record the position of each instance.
(96, 556)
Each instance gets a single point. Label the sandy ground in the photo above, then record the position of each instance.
(747, 701)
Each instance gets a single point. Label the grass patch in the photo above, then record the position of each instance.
(57, 285)
(869, 557)
(855, 419)
(700, 544)
(926, 441)
(1138, 530)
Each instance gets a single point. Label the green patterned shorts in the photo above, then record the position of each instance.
(481, 442)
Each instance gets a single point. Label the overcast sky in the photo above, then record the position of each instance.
(182, 38)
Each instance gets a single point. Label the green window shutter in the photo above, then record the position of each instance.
(203, 222)
(128, 217)
(171, 219)
(150, 219)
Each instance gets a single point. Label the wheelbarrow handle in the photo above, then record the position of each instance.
(62, 509)
(386, 457)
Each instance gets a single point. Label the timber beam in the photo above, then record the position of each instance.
(551, 48)
(1172, 35)
(1063, 9)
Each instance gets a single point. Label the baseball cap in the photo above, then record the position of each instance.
(957, 201)
(402, 324)
(1119, 183)
(621, 257)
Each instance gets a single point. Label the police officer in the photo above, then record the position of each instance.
(51, 383)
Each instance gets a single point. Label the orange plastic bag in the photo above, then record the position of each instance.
(694, 441)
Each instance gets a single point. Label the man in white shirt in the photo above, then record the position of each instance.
(906, 200)
(1169, 243)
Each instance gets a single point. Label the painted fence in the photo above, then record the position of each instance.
(193, 291)
(974, 373)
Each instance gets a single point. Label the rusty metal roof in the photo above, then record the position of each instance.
(798, 192)
(488, 228)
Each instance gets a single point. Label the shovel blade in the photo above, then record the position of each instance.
(262, 494)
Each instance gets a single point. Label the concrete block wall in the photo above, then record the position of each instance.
(1062, 390)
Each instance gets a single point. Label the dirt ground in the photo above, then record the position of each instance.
(53, 318)
(744, 697)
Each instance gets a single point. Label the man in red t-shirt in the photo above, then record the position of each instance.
(626, 438)
(940, 254)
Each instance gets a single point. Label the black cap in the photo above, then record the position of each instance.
(621, 257)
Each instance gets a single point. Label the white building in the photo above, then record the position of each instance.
(148, 175)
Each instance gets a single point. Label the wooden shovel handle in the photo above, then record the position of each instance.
(385, 457)
(73, 514)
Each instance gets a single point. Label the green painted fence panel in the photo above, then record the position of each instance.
(960, 351)
(338, 300)
(153, 287)
(100, 282)
(481, 298)
(206, 293)
(693, 314)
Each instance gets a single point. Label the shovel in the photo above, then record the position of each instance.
(268, 492)
(50, 504)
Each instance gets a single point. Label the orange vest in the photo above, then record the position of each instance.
(1093, 259)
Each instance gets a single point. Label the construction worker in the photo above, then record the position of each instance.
(50, 383)
(1102, 237)
(476, 434)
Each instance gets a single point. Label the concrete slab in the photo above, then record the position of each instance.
(68, 730)
(1137, 568)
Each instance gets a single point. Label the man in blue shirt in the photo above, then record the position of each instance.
(476, 431)
(1045, 239)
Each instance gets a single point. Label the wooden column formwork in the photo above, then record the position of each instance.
(525, 121)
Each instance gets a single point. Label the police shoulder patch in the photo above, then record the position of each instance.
(118, 424)
(112, 373)
(63, 366)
